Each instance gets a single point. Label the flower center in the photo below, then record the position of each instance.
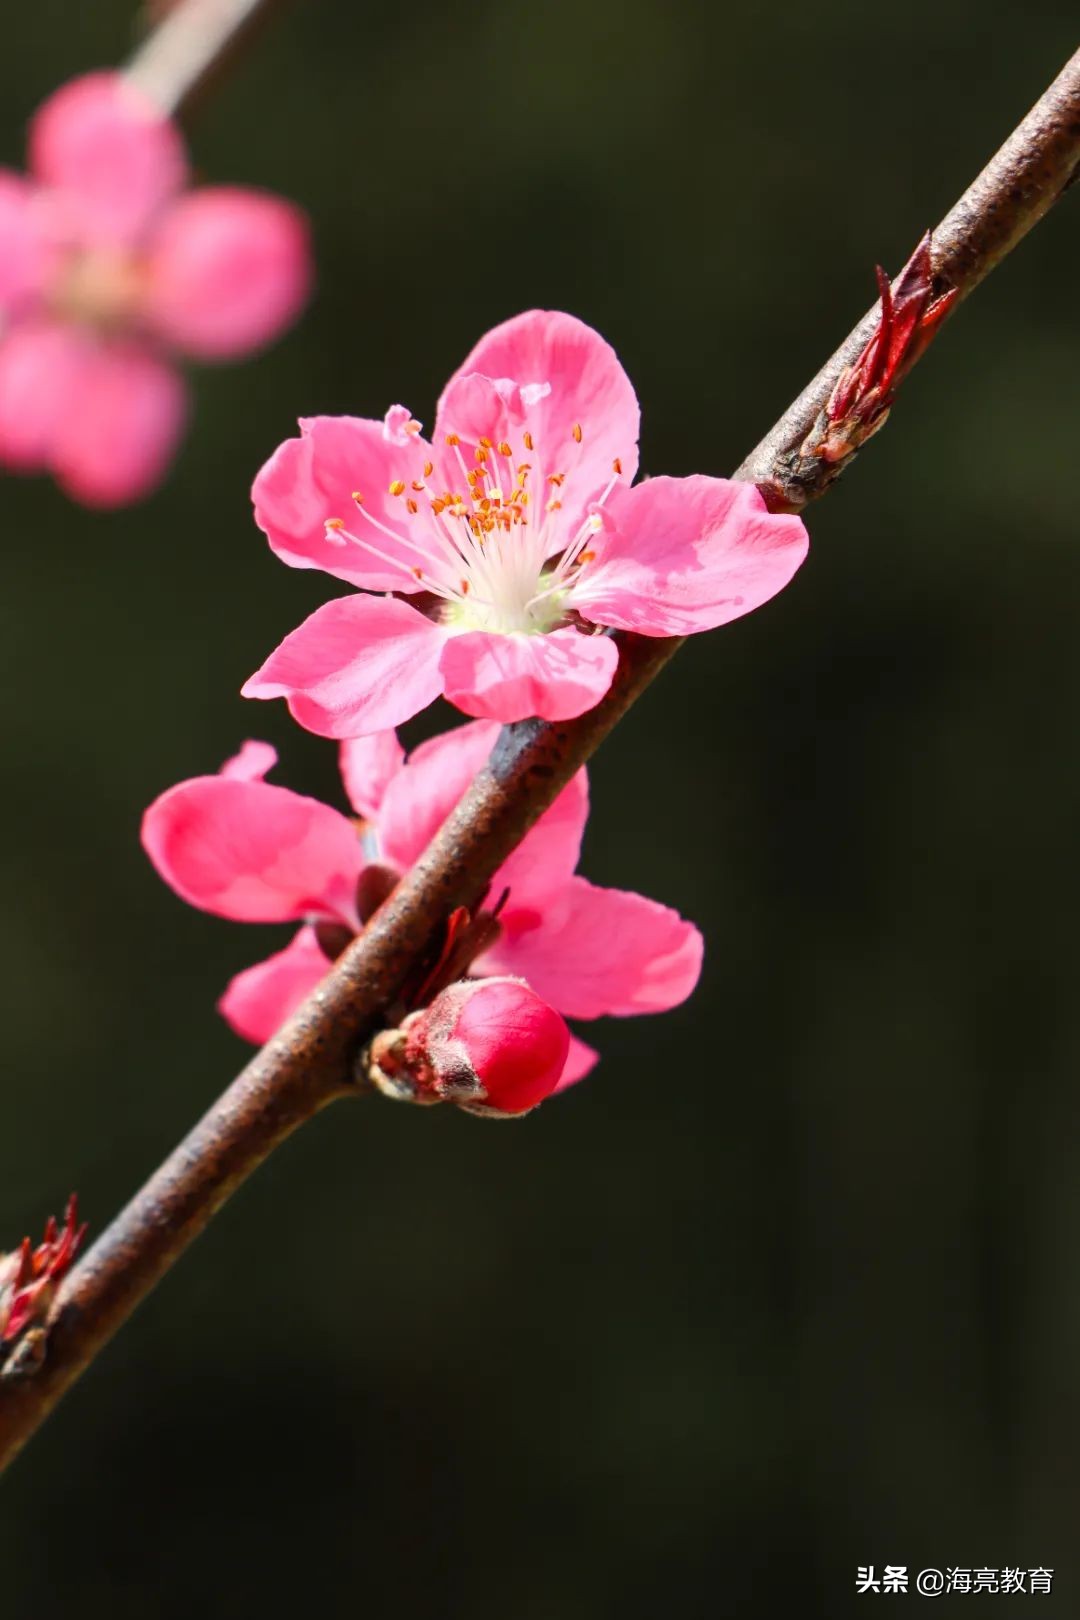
(98, 288)
(488, 538)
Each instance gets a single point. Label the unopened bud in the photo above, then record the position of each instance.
(490, 1045)
(29, 1278)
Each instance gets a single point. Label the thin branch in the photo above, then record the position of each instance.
(309, 1063)
(1020, 184)
(194, 39)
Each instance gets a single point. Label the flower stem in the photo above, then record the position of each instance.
(193, 40)
(309, 1063)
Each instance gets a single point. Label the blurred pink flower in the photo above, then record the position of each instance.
(106, 267)
(517, 531)
(237, 846)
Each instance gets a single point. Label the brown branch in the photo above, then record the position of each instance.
(1019, 185)
(310, 1062)
(192, 42)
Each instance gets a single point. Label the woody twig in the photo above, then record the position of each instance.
(310, 1063)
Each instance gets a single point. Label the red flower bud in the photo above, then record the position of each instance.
(29, 1279)
(910, 317)
(490, 1045)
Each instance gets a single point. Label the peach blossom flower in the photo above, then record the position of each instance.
(108, 267)
(508, 541)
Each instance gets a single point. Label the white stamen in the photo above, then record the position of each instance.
(486, 554)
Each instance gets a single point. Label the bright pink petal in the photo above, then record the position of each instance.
(253, 852)
(543, 863)
(316, 477)
(259, 1000)
(252, 763)
(359, 664)
(121, 426)
(110, 155)
(514, 677)
(422, 795)
(23, 249)
(368, 766)
(227, 271)
(553, 375)
(688, 554)
(597, 951)
(40, 366)
(581, 1060)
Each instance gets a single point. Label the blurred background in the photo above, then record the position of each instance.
(790, 1285)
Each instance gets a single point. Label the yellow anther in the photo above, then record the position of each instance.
(397, 487)
(576, 430)
(504, 449)
(557, 478)
(485, 444)
(528, 441)
(335, 523)
(429, 468)
(480, 453)
(587, 556)
(452, 439)
(357, 497)
(412, 506)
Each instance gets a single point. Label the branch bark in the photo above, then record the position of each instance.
(309, 1063)
(194, 40)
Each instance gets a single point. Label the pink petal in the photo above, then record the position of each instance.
(514, 677)
(357, 665)
(422, 795)
(598, 951)
(543, 863)
(253, 852)
(112, 157)
(259, 1000)
(580, 1061)
(252, 763)
(313, 478)
(40, 364)
(368, 766)
(687, 554)
(228, 270)
(121, 425)
(552, 373)
(24, 252)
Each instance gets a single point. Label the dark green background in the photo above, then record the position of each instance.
(792, 1284)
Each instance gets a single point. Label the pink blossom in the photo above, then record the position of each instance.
(235, 845)
(509, 540)
(107, 268)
